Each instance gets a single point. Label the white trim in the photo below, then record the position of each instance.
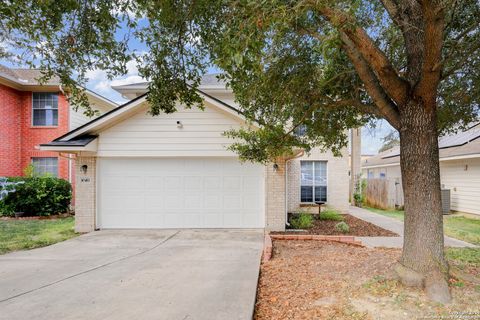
(465, 156)
(91, 146)
(451, 158)
(32, 109)
(101, 98)
(313, 176)
(97, 123)
(381, 165)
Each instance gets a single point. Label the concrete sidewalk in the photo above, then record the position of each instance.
(393, 225)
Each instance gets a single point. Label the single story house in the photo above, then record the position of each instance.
(174, 171)
(459, 169)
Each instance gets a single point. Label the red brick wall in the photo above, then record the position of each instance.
(10, 132)
(19, 137)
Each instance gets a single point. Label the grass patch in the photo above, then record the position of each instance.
(28, 234)
(468, 256)
(397, 214)
(460, 227)
(330, 215)
(456, 225)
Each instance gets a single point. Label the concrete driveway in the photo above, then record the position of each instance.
(135, 274)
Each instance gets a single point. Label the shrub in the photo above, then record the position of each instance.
(40, 196)
(330, 215)
(342, 227)
(302, 221)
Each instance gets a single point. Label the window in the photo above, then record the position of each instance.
(44, 109)
(313, 184)
(45, 166)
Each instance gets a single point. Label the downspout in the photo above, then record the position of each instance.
(298, 155)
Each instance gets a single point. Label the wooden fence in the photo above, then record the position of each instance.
(384, 193)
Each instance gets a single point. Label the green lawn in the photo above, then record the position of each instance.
(397, 214)
(29, 234)
(457, 225)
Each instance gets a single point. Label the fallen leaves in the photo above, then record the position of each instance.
(325, 280)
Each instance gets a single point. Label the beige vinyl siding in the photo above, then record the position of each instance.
(77, 118)
(146, 136)
(463, 182)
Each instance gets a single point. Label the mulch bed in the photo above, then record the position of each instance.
(52, 217)
(358, 227)
(326, 280)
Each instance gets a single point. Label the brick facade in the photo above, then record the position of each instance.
(11, 102)
(85, 185)
(275, 196)
(19, 137)
(337, 181)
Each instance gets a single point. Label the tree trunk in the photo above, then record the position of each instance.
(423, 262)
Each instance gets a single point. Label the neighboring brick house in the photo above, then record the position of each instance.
(32, 114)
(174, 171)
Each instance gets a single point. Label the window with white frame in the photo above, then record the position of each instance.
(44, 166)
(313, 184)
(44, 109)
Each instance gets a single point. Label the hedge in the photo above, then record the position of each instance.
(37, 196)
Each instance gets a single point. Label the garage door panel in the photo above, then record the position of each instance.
(155, 220)
(232, 183)
(194, 201)
(230, 221)
(212, 183)
(173, 201)
(194, 183)
(180, 193)
(155, 183)
(174, 183)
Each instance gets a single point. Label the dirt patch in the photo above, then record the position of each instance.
(358, 227)
(323, 280)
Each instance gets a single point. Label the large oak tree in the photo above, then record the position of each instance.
(321, 64)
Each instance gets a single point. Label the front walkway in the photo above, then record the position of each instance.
(135, 274)
(395, 226)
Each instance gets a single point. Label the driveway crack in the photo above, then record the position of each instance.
(92, 269)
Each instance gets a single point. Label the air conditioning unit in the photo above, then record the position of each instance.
(445, 201)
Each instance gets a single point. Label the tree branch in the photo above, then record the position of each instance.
(396, 87)
(387, 108)
(431, 74)
(460, 62)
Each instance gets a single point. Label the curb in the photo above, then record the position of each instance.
(268, 246)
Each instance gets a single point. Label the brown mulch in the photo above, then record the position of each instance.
(325, 280)
(52, 217)
(358, 227)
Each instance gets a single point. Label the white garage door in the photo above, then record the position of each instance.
(180, 193)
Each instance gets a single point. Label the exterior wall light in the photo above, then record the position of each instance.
(84, 169)
(275, 167)
(179, 125)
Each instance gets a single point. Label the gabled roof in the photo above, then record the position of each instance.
(209, 82)
(26, 79)
(83, 135)
(462, 144)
